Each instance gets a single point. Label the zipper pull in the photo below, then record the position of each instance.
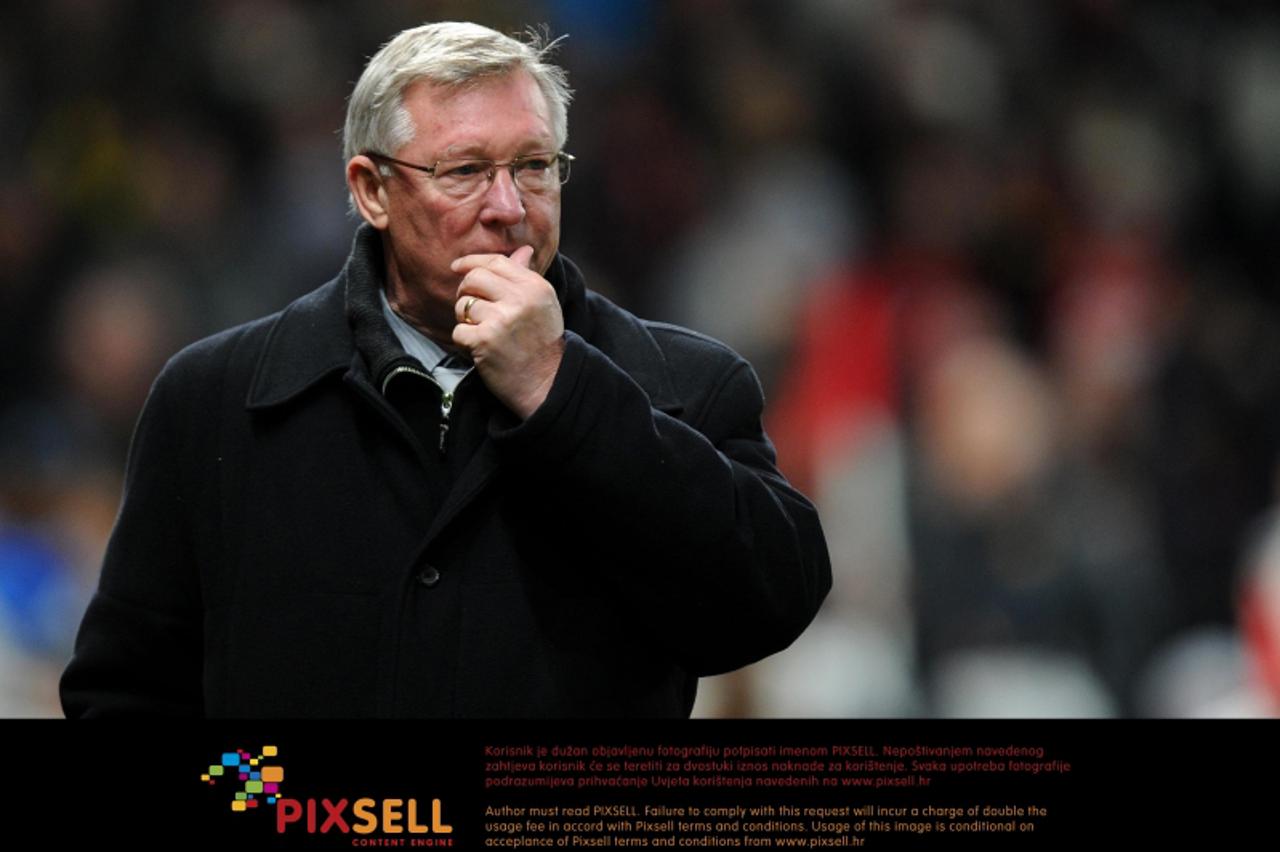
(446, 405)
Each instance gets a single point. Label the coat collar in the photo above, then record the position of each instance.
(313, 338)
(308, 341)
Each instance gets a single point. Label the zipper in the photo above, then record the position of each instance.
(446, 405)
(405, 368)
(446, 397)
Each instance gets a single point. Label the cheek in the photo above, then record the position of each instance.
(545, 233)
(438, 230)
(545, 218)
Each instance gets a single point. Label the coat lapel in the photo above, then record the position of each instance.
(308, 340)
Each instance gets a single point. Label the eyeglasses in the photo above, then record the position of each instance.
(464, 179)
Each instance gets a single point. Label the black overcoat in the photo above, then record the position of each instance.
(277, 552)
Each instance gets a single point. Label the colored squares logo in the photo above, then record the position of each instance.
(255, 779)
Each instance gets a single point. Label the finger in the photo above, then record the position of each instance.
(523, 256)
(468, 262)
(470, 309)
(466, 336)
(483, 284)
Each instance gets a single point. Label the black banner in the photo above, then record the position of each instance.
(875, 785)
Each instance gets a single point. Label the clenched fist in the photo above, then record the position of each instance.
(509, 319)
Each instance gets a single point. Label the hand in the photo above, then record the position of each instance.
(509, 319)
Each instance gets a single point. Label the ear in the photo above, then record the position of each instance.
(368, 191)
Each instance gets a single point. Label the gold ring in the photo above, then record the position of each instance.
(466, 311)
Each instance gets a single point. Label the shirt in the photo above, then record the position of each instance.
(447, 368)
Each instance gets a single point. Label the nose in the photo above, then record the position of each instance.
(502, 202)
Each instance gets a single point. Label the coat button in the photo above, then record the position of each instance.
(429, 576)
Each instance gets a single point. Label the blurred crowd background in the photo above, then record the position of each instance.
(1007, 270)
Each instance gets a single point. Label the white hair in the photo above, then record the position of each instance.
(447, 54)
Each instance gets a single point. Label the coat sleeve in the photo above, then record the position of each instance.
(721, 558)
(138, 650)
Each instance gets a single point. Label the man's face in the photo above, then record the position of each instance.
(497, 119)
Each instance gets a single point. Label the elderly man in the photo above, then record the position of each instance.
(452, 481)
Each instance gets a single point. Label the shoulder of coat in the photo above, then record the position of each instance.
(610, 320)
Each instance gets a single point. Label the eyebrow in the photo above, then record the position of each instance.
(476, 151)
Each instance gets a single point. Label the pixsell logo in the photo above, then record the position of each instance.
(257, 779)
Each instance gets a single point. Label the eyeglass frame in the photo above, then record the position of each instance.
(510, 165)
